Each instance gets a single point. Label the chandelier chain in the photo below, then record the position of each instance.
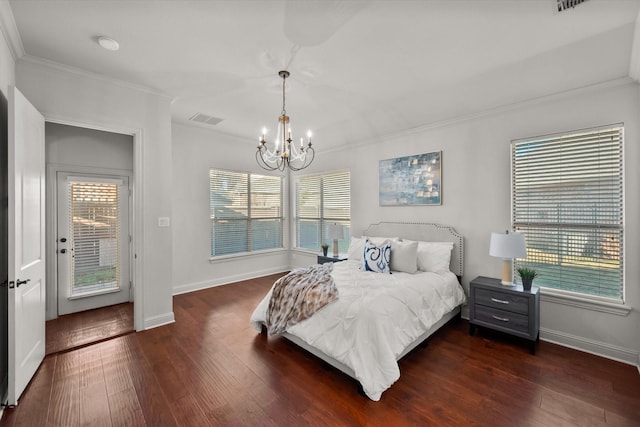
(284, 111)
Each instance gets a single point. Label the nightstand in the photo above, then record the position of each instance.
(508, 309)
(323, 259)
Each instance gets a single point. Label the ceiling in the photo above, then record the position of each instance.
(360, 69)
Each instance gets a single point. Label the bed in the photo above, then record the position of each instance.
(379, 318)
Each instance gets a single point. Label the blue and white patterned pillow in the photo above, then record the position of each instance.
(377, 258)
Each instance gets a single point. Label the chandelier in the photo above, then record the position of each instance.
(283, 154)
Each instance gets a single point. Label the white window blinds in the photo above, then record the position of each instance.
(322, 200)
(246, 212)
(95, 225)
(567, 193)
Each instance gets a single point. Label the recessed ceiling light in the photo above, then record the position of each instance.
(108, 43)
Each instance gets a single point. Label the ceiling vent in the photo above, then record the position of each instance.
(567, 4)
(203, 118)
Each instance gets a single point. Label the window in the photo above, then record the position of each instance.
(95, 217)
(246, 212)
(322, 200)
(567, 195)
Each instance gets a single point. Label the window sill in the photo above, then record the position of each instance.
(341, 255)
(553, 296)
(306, 251)
(254, 254)
(94, 293)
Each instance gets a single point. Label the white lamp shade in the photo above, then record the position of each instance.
(335, 231)
(508, 245)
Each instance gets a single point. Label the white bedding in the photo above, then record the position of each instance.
(374, 319)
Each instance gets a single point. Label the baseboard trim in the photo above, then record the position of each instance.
(197, 286)
(609, 351)
(159, 320)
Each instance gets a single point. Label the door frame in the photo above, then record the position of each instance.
(52, 231)
(136, 228)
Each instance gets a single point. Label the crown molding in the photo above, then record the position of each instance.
(634, 66)
(528, 103)
(532, 102)
(48, 64)
(10, 31)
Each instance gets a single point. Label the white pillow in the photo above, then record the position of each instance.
(434, 256)
(381, 240)
(356, 245)
(404, 256)
(356, 248)
(377, 258)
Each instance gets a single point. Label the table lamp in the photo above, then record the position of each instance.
(507, 246)
(335, 232)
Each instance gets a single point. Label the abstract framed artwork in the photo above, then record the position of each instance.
(411, 180)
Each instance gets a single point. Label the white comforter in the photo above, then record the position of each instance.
(374, 319)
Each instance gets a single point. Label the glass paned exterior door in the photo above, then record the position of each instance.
(93, 241)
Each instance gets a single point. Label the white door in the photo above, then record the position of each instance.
(92, 242)
(26, 243)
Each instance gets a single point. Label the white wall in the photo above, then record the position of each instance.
(195, 151)
(7, 67)
(76, 146)
(476, 197)
(69, 96)
(81, 150)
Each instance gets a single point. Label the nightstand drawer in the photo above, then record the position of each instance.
(502, 301)
(503, 319)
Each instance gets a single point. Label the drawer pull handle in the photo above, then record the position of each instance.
(501, 301)
(502, 319)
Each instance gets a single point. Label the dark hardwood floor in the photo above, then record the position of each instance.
(211, 368)
(87, 327)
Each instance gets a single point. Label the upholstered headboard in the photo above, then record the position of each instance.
(426, 232)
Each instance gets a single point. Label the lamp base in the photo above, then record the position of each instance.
(507, 272)
(335, 248)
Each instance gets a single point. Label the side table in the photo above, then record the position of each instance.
(508, 309)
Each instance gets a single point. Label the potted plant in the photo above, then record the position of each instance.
(325, 248)
(527, 275)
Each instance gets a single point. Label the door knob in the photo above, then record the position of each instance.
(64, 239)
(63, 251)
(21, 282)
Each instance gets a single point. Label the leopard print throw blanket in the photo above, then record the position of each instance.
(298, 295)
